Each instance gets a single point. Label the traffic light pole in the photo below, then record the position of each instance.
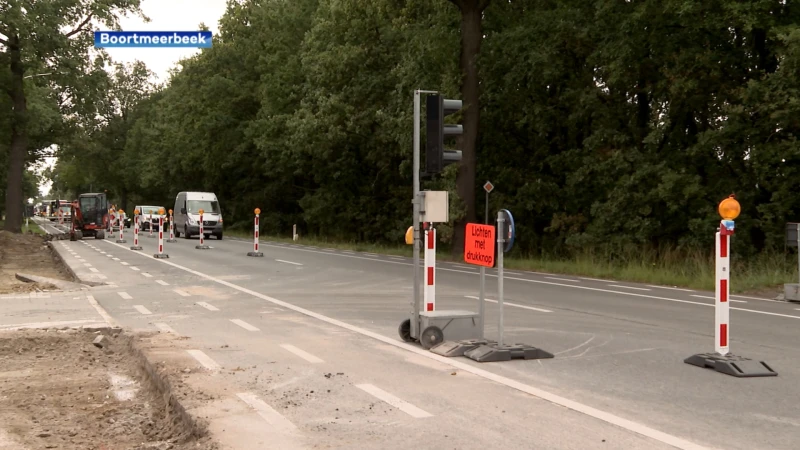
(416, 207)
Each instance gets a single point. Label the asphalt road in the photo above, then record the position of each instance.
(618, 374)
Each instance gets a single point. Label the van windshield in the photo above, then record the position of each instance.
(208, 206)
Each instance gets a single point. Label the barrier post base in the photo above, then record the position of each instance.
(202, 247)
(736, 366)
(161, 256)
(458, 348)
(256, 254)
(121, 241)
(507, 352)
(172, 241)
(136, 247)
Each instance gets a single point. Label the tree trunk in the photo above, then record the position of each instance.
(471, 36)
(19, 139)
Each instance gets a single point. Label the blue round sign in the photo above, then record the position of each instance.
(509, 229)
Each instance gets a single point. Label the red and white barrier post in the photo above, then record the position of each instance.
(255, 251)
(722, 360)
(136, 219)
(150, 222)
(60, 217)
(121, 239)
(171, 228)
(430, 268)
(294, 233)
(161, 253)
(202, 245)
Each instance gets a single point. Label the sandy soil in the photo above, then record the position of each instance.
(27, 253)
(58, 390)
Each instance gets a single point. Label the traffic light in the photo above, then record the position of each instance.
(436, 156)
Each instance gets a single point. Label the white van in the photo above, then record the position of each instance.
(187, 216)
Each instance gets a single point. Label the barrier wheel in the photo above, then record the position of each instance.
(431, 337)
(405, 330)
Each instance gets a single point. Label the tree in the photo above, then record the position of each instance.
(32, 37)
(471, 37)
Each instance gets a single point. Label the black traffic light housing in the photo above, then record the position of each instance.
(436, 156)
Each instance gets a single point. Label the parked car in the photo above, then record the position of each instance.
(187, 214)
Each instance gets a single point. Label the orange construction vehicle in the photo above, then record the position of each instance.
(89, 217)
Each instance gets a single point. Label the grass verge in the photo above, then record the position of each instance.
(32, 227)
(763, 275)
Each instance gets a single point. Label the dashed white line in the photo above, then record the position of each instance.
(208, 306)
(402, 405)
(272, 417)
(302, 353)
(593, 279)
(94, 270)
(125, 263)
(288, 262)
(562, 279)
(125, 295)
(182, 293)
(515, 305)
(204, 359)
(87, 264)
(147, 275)
(135, 268)
(165, 328)
(628, 287)
(162, 282)
(756, 298)
(244, 325)
(714, 298)
(142, 309)
(671, 288)
(116, 259)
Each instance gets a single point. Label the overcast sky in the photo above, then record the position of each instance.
(165, 15)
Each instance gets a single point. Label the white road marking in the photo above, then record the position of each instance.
(147, 275)
(124, 263)
(302, 353)
(116, 259)
(288, 262)
(756, 298)
(165, 328)
(505, 303)
(244, 325)
(125, 295)
(593, 279)
(671, 288)
(562, 279)
(182, 293)
(162, 282)
(87, 264)
(142, 309)
(607, 417)
(272, 417)
(94, 270)
(714, 298)
(402, 405)
(135, 268)
(204, 359)
(208, 306)
(102, 252)
(628, 287)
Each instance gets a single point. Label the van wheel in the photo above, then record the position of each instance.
(186, 232)
(218, 236)
(177, 233)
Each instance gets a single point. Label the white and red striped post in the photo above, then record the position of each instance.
(202, 245)
(430, 269)
(150, 221)
(294, 232)
(722, 287)
(255, 251)
(60, 217)
(171, 228)
(136, 219)
(121, 239)
(161, 253)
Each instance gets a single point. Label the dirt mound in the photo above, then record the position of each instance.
(27, 253)
(58, 390)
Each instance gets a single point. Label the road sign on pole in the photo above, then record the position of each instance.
(722, 360)
(479, 245)
(508, 230)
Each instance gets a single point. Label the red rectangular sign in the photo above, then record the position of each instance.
(479, 244)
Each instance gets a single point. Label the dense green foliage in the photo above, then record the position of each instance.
(604, 123)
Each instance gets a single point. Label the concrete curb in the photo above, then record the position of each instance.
(71, 271)
(60, 284)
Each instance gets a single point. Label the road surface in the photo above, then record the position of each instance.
(314, 319)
